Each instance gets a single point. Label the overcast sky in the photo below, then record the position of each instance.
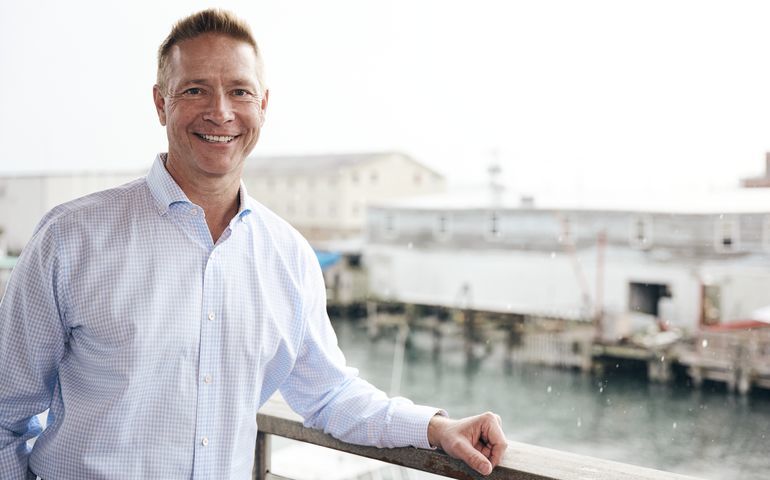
(569, 94)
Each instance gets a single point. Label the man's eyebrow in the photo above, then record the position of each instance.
(194, 80)
(242, 82)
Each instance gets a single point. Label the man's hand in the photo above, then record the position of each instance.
(478, 441)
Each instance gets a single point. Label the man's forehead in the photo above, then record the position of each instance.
(211, 44)
(206, 55)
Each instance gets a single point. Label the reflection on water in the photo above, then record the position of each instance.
(709, 434)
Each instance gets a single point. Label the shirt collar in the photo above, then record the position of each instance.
(164, 189)
(166, 192)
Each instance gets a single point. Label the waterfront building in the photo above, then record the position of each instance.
(684, 262)
(325, 196)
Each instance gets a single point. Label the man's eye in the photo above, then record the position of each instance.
(239, 92)
(193, 91)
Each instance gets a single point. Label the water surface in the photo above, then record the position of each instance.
(707, 433)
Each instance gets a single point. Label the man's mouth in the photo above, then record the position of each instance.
(216, 138)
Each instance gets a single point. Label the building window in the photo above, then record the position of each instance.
(493, 231)
(391, 228)
(640, 233)
(443, 226)
(727, 233)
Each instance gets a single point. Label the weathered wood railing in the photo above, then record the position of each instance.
(521, 462)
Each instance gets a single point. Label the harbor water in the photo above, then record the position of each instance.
(707, 433)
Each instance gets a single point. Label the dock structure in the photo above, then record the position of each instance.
(658, 360)
(738, 358)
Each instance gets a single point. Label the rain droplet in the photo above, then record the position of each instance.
(579, 422)
(674, 426)
(663, 358)
(409, 245)
(553, 254)
(704, 343)
(548, 389)
(601, 389)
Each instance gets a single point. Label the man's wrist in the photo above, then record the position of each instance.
(435, 426)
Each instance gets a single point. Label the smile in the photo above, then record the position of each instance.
(216, 138)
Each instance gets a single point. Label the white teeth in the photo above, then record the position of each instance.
(217, 138)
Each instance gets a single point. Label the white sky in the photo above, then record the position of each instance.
(573, 95)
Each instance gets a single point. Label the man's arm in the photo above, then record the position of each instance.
(31, 345)
(331, 396)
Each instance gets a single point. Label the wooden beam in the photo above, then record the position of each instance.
(521, 462)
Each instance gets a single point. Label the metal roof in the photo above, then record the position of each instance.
(325, 162)
(731, 201)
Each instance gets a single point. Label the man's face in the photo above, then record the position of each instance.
(213, 106)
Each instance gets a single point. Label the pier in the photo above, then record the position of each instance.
(737, 358)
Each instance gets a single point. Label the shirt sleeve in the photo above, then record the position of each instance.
(330, 396)
(32, 342)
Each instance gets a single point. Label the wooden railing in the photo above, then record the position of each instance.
(521, 462)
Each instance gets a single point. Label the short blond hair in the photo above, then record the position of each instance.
(212, 20)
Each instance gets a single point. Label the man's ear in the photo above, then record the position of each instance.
(263, 107)
(160, 104)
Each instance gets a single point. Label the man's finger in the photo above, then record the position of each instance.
(496, 439)
(473, 458)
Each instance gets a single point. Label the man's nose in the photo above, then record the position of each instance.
(220, 109)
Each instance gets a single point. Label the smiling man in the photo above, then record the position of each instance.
(153, 319)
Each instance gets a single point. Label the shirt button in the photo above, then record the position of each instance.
(207, 379)
(212, 316)
(193, 211)
(204, 441)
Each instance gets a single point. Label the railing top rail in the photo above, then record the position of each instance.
(521, 462)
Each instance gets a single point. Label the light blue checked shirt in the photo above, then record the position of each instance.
(153, 347)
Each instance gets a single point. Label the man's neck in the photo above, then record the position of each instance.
(217, 195)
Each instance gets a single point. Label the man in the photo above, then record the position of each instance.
(153, 319)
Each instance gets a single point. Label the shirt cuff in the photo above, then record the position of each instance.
(410, 422)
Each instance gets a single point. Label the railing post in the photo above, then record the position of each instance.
(262, 456)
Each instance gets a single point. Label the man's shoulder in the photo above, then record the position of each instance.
(97, 205)
(277, 228)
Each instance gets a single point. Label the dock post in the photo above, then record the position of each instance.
(262, 454)
(436, 331)
(372, 324)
